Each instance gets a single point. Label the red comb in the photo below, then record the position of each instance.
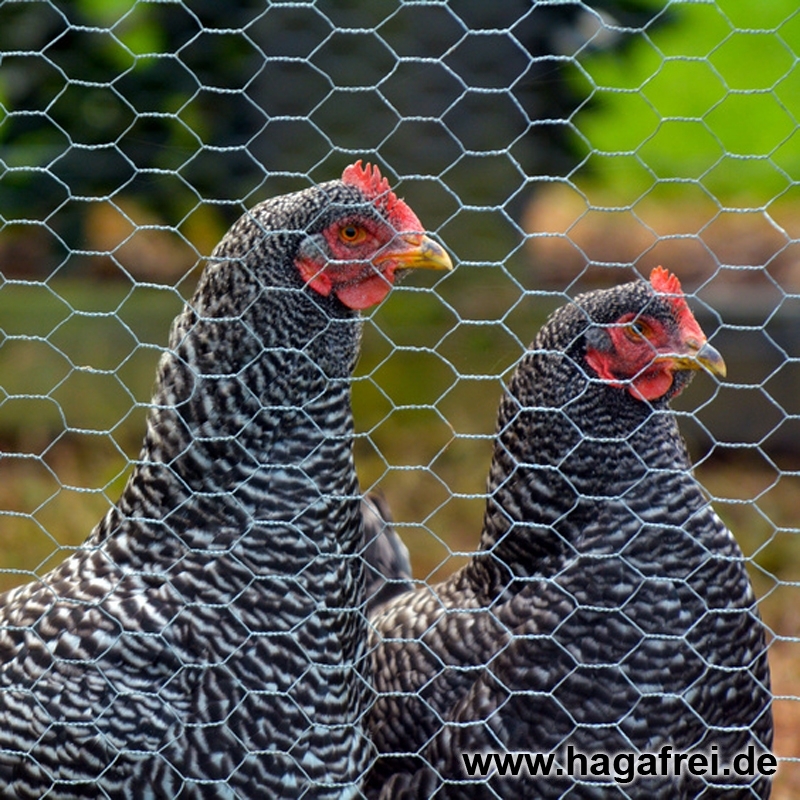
(665, 282)
(368, 179)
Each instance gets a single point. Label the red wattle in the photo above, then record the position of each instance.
(651, 385)
(365, 293)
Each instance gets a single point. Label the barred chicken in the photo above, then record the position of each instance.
(608, 608)
(208, 640)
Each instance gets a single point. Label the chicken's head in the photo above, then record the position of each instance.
(364, 244)
(643, 350)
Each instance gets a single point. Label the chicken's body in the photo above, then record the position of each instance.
(208, 640)
(608, 609)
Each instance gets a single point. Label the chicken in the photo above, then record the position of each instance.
(208, 640)
(608, 607)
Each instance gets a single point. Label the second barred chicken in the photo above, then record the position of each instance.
(608, 607)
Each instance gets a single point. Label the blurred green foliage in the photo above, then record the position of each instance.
(713, 98)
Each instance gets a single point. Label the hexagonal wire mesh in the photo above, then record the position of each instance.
(552, 147)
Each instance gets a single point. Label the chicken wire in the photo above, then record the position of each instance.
(551, 146)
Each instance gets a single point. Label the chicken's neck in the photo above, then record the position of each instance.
(570, 452)
(249, 437)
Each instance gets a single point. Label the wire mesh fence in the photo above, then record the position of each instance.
(551, 146)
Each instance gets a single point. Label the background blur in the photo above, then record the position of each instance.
(551, 146)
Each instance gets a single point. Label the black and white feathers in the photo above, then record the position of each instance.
(208, 639)
(608, 607)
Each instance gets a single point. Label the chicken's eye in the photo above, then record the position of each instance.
(352, 234)
(636, 330)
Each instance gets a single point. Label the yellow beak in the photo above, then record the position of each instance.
(701, 356)
(414, 251)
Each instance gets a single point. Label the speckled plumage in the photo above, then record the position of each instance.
(608, 607)
(208, 640)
